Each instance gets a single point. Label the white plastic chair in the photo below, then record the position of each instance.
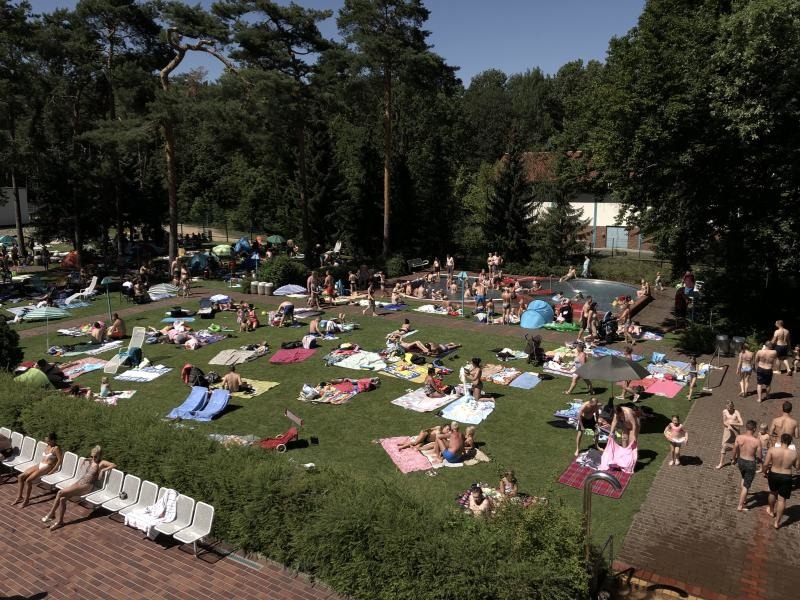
(200, 527)
(5, 432)
(138, 336)
(183, 516)
(67, 471)
(37, 453)
(148, 495)
(110, 490)
(130, 487)
(26, 450)
(83, 464)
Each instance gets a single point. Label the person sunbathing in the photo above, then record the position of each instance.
(117, 329)
(508, 488)
(233, 382)
(469, 438)
(572, 273)
(479, 505)
(425, 437)
(435, 349)
(450, 447)
(359, 385)
(434, 387)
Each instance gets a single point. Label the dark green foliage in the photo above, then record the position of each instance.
(281, 270)
(509, 209)
(697, 339)
(14, 397)
(557, 234)
(396, 266)
(10, 352)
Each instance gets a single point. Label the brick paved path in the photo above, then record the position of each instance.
(95, 557)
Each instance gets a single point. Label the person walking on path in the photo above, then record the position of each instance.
(784, 424)
(451, 266)
(765, 360)
(585, 271)
(370, 299)
(778, 465)
(780, 340)
(731, 421)
(745, 450)
(744, 369)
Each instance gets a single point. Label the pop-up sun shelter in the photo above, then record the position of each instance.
(539, 312)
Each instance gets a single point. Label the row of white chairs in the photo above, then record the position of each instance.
(118, 492)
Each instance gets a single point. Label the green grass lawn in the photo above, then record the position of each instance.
(516, 435)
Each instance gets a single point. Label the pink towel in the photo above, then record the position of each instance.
(616, 456)
(665, 388)
(407, 460)
(293, 355)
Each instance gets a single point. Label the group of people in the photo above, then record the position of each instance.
(773, 357)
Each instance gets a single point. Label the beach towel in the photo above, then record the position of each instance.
(143, 375)
(146, 519)
(575, 475)
(665, 388)
(114, 397)
(649, 335)
(176, 319)
(362, 361)
(73, 332)
(571, 412)
(90, 349)
(232, 357)
(417, 401)
(565, 370)
(406, 460)
(562, 326)
(259, 387)
(75, 369)
(676, 369)
(526, 381)
(395, 307)
(229, 440)
(605, 351)
(407, 334)
(617, 457)
(505, 376)
(489, 370)
(473, 457)
(431, 309)
(286, 356)
(406, 371)
(466, 410)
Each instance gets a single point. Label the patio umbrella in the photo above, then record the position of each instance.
(611, 368)
(45, 314)
(222, 250)
(276, 239)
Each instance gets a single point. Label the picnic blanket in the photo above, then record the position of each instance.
(259, 387)
(143, 375)
(473, 457)
(605, 351)
(362, 361)
(114, 397)
(232, 357)
(406, 460)
(504, 376)
(575, 475)
(466, 410)
(286, 356)
(664, 388)
(417, 401)
(85, 365)
(525, 381)
(406, 371)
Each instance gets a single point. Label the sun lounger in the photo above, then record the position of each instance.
(137, 339)
(85, 293)
(196, 400)
(111, 489)
(24, 466)
(67, 470)
(130, 488)
(216, 404)
(183, 517)
(200, 527)
(148, 494)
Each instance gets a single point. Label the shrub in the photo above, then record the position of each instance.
(366, 536)
(10, 352)
(15, 397)
(697, 339)
(395, 267)
(281, 270)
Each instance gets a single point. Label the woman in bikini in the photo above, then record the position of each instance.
(744, 369)
(731, 421)
(508, 488)
(426, 436)
(50, 461)
(95, 468)
(580, 360)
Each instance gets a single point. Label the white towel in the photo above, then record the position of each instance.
(148, 517)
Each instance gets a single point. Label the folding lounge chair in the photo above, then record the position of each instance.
(37, 453)
(85, 293)
(183, 516)
(196, 400)
(200, 527)
(280, 442)
(67, 471)
(5, 432)
(148, 494)
(137, 340)
(130, 489)
(110, 491)
(216, 404)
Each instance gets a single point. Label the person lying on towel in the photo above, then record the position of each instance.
(359, 385)
(426, 438)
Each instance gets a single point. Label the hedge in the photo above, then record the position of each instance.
(367, 537)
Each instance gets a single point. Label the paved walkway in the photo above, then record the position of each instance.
(95, 557)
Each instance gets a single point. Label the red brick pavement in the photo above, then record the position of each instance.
(688, 532)
(96, 557)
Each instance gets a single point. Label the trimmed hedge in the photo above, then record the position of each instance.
(282, 270)
(367, 537)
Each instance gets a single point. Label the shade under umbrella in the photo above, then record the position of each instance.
(222, 250)
(611, 368)
(276, 239)
(45, 313)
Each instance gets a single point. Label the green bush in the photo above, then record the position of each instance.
(395, 267)
(10, 352)
(697, 339)
(367, 537)
(282, 270)
(15, 397)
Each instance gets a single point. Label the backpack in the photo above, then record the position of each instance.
(292, 345)
(213, 377)
(197, 378)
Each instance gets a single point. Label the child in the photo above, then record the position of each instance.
(241, 317)
(659, 284)
(692, 377)
(105, 388)
(469, 438)
(766, 443)
(370, 300)
(508, 487)
(677, 437)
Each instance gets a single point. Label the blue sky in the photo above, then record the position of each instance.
(475, 35)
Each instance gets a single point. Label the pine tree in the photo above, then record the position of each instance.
(558, 232)
(510, 207)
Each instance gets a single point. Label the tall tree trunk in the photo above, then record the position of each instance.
(387, 158)
(18, 215)
(172, 187)
(301, 161)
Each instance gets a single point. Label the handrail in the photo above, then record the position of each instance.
(587, 504)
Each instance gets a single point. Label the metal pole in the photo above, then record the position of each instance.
(594, 224)
(587, 506)
(108, 302)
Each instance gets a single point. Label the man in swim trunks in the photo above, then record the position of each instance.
(765, 359)
(781, 340)
(285, 311)
(745, 450)
(450, 447)
(480, 293)
(627, 419)
(587, 421)
(778, 467)
(784, 424)
(506, 297)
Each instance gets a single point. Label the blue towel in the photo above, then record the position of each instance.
(173, 319)
(195, 401)
(526, 381)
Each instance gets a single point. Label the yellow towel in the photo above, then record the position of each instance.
(259, 386)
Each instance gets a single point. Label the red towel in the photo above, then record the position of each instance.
(575, 475)
(294, 355)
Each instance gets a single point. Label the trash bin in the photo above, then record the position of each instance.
(723, 345)
(262, 288)
(737, 343)
(253, 287)
(268, 287)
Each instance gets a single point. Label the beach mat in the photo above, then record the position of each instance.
(406, 371)
(143, 375)
(286, 356)
(526, 381)
(231, 357)
(114, 398)
(259, 387)
(575, 475)
(665, 388)
(407, 460)
(465, 410)
(417, 401)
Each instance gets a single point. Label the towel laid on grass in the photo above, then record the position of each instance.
(605, 351)
(417, 401)
(259, 387)
(525, 381)
(665, 388)
(406, 371)
(406, 460)
(286, 356)
(85, 365)
(232, 357)
(362, 361)
(504, 376)
(114, 397)
(473, 457)
(143, 375)
(575, 475)
(91, 349)
(466, 410)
